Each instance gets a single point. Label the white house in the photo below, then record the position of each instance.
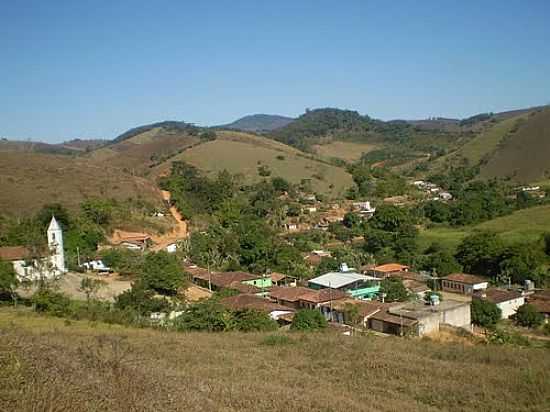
(171, 248)
(508, 301)
(96, 265)
(463, 283)
(33, 266)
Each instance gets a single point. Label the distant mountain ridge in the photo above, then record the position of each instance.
(259, 123)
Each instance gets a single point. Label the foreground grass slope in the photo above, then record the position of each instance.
(29, 180)
(521, 226)
(51, 364)
(242, 153)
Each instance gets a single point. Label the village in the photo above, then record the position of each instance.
(387, 298)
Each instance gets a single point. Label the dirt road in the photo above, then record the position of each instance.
(178, 233)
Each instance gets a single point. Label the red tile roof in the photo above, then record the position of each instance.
(541, 305)
(247, 301)
(465, 278)
(10, 253)
(288, 294)
(391, 267)
(499, 295)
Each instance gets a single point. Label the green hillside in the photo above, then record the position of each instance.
(242, 153)
(521, 226)
(52, 364)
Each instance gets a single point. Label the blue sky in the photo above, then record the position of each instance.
(96, 68)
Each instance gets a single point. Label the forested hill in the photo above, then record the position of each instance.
(259, 123)
(167, 124)
(317, 123)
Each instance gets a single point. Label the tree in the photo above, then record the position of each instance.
(249, 320)
(98, 211)
(351, 220)
(546, 240)
(8, 280)
(439, 260)
(528, 316)
(208, 315)
(90, 286)
(479, 253)
(428, 296)
(308, 320)
(520, 261)
(393, 290)
(162, 272)
(390, 218)
(485, 313)
(61, 214)
(141, 301)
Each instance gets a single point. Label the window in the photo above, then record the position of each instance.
(53, 237)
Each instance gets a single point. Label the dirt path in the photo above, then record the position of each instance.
(178, 233)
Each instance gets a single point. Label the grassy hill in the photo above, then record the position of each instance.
(138, 153)
(242, 153)
(348, 151)
(524, 154)
(259, 123)
(28, 180)
(52, 364)
(521, 226)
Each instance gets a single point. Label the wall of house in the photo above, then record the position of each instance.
(29, 272)
(260, 282)
(459, 316)
(510, 307)
(429, 324)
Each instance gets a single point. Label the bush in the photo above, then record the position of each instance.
(253, 321)
(485, 313)
(276, 340)
(393, 290)
(307, 320)
(528, 316)
(208, 315)
(53, 303)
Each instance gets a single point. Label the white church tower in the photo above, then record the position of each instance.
(55, 243)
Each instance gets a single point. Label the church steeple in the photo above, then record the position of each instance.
(55, 242)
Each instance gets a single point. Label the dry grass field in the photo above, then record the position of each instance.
(29, 180)
(348, 151)
(241, 153)
(49, 364)
(525, 156)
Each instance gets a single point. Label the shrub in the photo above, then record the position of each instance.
(276, 340)
(208, 315)
(253, 321)
(528, 316)
(308, 319)
(485, 313)
(54, 303)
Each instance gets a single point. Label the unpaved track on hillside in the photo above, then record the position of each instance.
(178, 233)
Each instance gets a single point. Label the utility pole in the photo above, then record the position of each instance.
(78, 256)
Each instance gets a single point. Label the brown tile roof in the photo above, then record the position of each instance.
(240, 287)
(541, 294)
(394, 319)
(408, 275)
(391, 267)
(14, 253)
(246, 301)
(277, 277)
(415, 286)
(498, 295)
(541, 305)
(323, 295)
(465, 278)
(230, 277)
(288, 294)
(365, 308)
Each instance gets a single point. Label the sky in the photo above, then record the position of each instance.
(93, 69)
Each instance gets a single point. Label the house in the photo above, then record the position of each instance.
(338, 311)
(242, 282)
(44, 264)
(348, 281)
(131, 240)
(415, 283)
(280, 279)
(314, 258)
(418, 318)
(171, 248)
(541, 302)
(463, 283)
(508, 301)
(246, 301)
(364, 208)
(384, 271)
(300, 297)
(445, 196)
